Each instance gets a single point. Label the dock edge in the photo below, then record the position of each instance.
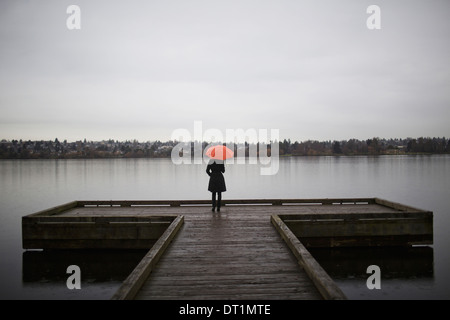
(323, 282)
(132, 284)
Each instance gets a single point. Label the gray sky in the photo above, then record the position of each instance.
(141, 69)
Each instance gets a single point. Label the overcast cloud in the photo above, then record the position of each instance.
(141, 69)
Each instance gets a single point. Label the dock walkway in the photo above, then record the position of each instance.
(234, 254)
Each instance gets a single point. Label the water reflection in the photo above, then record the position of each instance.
(102, 271)
(398, 263)
(406, 272)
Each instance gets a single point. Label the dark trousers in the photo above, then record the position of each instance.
(219, 199)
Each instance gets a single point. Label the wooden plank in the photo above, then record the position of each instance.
(89, 243)
(53, 211)
(361, 228)
(228, 255)
(321, 279)
(98, 219)
(246, 296)
(234, 290)
(397, 206)
(301, 201)
(355, 216)
(369, 241)
(271, 278)
(357, 202)
(77, 231)
(200, 210)
(136, 279)
(138, 203)
(176, 203)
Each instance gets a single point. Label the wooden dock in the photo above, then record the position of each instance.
(236, 254)
(247, 251)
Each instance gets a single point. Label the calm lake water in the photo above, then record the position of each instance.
(28, 186)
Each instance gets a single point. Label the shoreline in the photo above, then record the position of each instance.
(168, 157)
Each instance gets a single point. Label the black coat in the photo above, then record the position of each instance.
(216, 179)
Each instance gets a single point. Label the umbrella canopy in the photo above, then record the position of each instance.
(219, 152)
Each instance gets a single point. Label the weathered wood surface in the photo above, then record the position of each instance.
(401, 227)
(235, 254)
(92, 232)
(177, 203)
(360, 228)
(170, 207)
(139, 275)
(320, 277)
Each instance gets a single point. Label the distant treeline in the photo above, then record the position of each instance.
(375, 146)
(55, 149)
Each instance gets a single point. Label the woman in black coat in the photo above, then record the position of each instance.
(215, 170)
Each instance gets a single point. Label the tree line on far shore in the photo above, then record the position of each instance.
(375, 146)
(54, 149)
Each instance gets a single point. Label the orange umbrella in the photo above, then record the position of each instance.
(219, 152)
